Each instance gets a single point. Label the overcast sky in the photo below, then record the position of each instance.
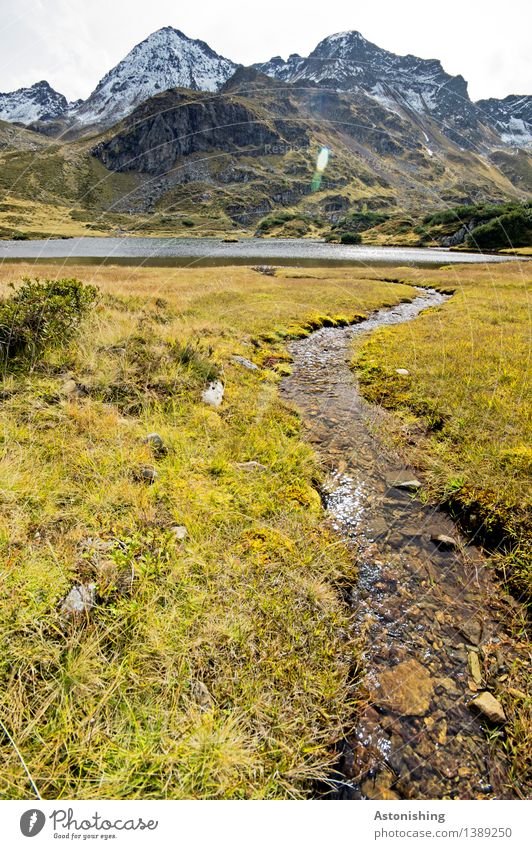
(72, 43)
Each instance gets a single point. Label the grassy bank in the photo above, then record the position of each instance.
(462, 416)
(214, 666)
(465, 403)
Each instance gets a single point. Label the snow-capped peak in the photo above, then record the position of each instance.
(39, 102)
(166, 59)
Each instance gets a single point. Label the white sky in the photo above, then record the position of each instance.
(72, 43)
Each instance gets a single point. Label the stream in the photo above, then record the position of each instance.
(425, 610)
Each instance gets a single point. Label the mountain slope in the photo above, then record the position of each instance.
(406, 85)
(166, 59)
(511, 118)
(40, 102)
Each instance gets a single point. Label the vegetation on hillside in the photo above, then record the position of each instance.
(215, 662)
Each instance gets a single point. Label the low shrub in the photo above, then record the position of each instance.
(350, 238)
(40, 315)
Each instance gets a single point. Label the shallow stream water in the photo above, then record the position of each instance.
(427, 612)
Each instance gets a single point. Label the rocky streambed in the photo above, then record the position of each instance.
(425, 606)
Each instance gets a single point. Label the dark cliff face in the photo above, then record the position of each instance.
(168, 127)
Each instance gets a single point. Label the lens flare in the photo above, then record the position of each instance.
(322, 160)
(321, 164)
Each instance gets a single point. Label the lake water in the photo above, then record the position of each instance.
(211, 252)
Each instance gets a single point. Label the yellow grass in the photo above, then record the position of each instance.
(214, 667)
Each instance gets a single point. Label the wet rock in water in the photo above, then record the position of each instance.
(444, 542)
(251, 466)
(81, 599)
(472, 631)
(379, 786)
(448, 686)
(244, 362)
(402, 480)
(146, 474)
(179, 531)
(155, 441)
(474, 667)
(402, 371)
(213, 394)
(489, 707)
(406, 689)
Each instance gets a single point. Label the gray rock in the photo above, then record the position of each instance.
(244, 362)
(402, 371)
(81, 599)
(489, 707)
(213, 394)
(251, 466)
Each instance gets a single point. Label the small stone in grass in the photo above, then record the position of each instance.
(155, 441)
(213, 394)
(80, 599)
(402, 371)
(179, 531)
(251, 466)
(244, 362)
(146, 474)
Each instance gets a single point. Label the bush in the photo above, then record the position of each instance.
(350, 239)
(42, 315)
(508, 231)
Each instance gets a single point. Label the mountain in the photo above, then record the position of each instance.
(166, 59)
(511, 118)
(40, 102)
(405, 85)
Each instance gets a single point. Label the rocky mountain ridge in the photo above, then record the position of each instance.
(406, 86)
